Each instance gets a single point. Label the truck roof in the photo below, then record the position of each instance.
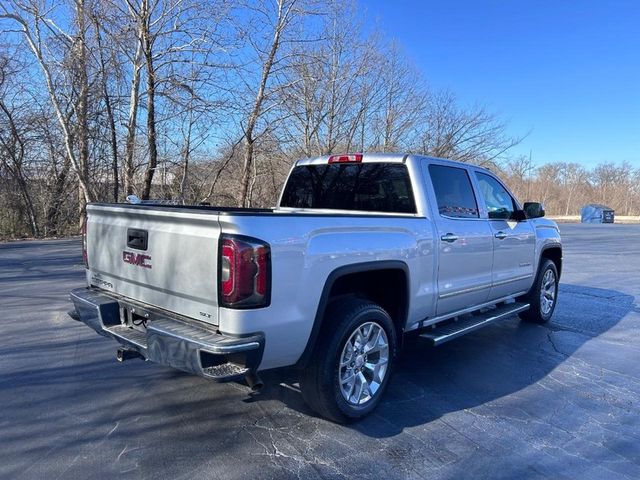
(384, 158)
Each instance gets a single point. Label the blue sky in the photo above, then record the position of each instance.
(566, 72)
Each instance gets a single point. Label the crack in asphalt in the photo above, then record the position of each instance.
(553, 344)
(560, 402)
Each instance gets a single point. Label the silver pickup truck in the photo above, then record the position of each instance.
(361, 250)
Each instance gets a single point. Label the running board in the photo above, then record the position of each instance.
(450, 330)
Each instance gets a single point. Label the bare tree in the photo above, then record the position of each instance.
(106, 95)
(403, 104)
(573, 178)
(518, 173)
(613, 185)
(132, 117)
(333, 85)
(144, 13)
(212, 100)
(144, 18)
(469, 135)
(32, 22)
(278, 20)
(12, 149)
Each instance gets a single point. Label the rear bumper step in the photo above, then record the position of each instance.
(171, 341)
(448, 331)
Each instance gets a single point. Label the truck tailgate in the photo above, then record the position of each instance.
(156, 256)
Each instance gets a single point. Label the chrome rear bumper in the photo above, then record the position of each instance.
(169, 340)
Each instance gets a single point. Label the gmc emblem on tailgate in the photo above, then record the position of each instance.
(137, 259)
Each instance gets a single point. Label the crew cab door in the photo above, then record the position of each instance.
(465, 240)
(513, 241)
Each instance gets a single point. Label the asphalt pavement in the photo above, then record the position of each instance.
(512, 400)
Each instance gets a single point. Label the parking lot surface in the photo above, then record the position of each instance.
(512, 400)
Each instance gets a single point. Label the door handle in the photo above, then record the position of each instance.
(137, 238)
(501, 235)
(449, 237)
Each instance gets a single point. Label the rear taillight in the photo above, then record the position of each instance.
(85, 256)
(244, 273)
(350, 158)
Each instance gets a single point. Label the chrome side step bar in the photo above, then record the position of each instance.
(440, 334)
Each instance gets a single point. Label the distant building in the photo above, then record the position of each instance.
(596, 213)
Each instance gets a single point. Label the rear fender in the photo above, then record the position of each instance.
(326, 298)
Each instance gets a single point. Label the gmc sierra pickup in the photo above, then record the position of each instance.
(361, 250)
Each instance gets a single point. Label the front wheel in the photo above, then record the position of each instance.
(351, 363)
(543, 294)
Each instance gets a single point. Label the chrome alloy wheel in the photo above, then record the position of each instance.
(363, 363)
(547, 292)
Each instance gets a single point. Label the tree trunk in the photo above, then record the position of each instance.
(114, 146)
(151, 105)
(109, 111)
(15, 151)
(134, 101)
(51, 216)
(186, 153)
(82, 107)
(247, 170)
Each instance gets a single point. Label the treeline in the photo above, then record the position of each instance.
(204, 101)
(565, 187)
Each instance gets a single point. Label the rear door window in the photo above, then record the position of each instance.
(372, 187)
(454, 192)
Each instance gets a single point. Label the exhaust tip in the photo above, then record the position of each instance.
(254, 382)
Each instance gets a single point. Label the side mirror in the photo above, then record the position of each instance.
(533, 209)
(519, 216)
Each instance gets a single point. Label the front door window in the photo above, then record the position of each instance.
(499, 203)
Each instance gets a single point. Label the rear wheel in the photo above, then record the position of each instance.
(543, 294)
(351, 363)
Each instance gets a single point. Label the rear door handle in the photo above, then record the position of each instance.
(501, 235)
(449, 237)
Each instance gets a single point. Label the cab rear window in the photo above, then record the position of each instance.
(372, 187)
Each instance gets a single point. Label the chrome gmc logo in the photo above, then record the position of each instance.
(138, 259)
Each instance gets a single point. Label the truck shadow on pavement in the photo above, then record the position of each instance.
(78, 405)
(482, 367)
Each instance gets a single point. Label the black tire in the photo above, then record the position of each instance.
(539, 312)
(320, 379)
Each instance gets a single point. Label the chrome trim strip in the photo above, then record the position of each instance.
(482, 287)
(516, 279)
(465, 290)
(204, 339)
(448, 217)
(241, 347)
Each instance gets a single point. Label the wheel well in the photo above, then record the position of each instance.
(555, 255)
(383, 282)
(387, 288)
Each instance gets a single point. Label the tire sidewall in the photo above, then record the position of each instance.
(548, 265)
(332, 367)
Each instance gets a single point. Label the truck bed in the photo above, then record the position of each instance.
(179, 270)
